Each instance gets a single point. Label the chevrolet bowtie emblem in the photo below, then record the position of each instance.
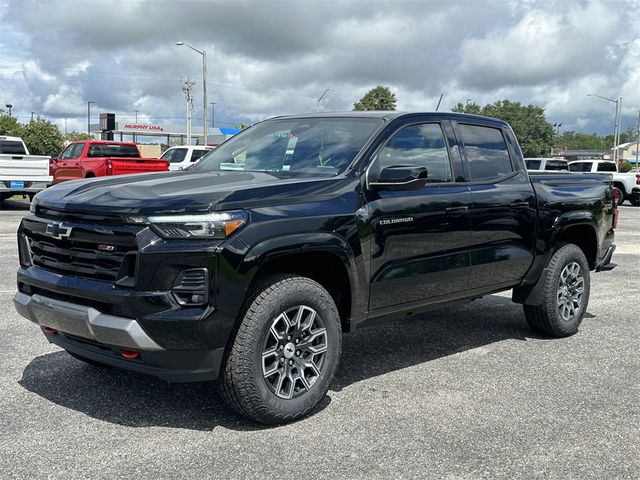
(58, 230)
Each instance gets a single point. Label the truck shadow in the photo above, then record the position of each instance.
(135, 400)
(15, 204)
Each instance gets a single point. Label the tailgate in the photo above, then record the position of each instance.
(121, 166)
(28, 168)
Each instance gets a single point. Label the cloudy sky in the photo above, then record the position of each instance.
(267, 58)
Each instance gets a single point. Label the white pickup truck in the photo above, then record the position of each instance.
(628, 183)
(180, 158)
(21, 173)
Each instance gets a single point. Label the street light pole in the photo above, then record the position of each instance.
(89, 117)
(616, 130)
(204, 85)
(9, 106)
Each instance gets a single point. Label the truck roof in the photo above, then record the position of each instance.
(106, 142)
(11, 139)
(391, 115)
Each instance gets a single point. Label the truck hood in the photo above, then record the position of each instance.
(186, 192)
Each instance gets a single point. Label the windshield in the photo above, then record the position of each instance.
(293, 147)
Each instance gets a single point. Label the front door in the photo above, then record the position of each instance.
(420, 238)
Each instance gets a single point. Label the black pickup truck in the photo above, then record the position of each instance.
(250, 266)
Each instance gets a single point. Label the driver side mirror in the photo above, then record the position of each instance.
(400, 177)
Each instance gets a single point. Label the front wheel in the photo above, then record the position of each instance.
(565, 294)
(621, 196)
(285, 352)
(635, 201)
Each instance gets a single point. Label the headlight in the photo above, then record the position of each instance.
(32, 207)
(209, 225)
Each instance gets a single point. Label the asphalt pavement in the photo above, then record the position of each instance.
(461, 393)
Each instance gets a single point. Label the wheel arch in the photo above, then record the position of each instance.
(325, 258)
(577, 229)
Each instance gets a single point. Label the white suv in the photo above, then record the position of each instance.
(181, 157)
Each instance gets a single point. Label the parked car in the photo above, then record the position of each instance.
(546, 164)
(180, 158)
(627, 184)
(99, 158)
(21, 173)
(250, 266)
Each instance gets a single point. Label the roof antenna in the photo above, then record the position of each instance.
(438, 106)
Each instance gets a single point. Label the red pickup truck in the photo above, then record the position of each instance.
(99, 158)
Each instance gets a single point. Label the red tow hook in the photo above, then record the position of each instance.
(50, 331)
(129, 354)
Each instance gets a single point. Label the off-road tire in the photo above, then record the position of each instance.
(243, 384)
(546, 318)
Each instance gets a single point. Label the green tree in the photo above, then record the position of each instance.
(534, 133)
(242, 126)
(42, 137)
(584, 141)
(74, 136)
(379, 98)
(9, 125)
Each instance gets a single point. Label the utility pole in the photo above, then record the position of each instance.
(32, 116)
(9, 106)
(638, 142)
(186, 88)
(89, 117)
(134, 135)
(213, 114)
(65, 127)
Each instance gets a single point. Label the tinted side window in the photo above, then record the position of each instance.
(197, 154)
(556, 165)
(486, 152)
(607, 167)
(580, 167)
(420, 146)
(533, 164)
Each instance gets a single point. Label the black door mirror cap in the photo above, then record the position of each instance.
(401, 177)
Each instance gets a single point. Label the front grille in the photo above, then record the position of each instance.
(103, 307)
(95, 253)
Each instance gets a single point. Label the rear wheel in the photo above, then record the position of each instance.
(285, 352)
(565, 294)
(635, 201)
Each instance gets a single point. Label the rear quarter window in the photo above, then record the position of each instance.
(607, 167)
(580, 167)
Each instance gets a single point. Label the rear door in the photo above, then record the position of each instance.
(420, 238)
(503, 216)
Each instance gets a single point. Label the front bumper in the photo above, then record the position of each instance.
(84, 322)
(92, 334)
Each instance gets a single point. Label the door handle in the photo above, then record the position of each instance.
(456, 211)
(519, 205)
